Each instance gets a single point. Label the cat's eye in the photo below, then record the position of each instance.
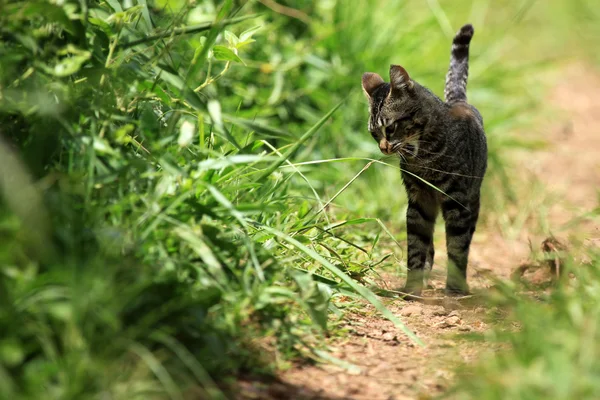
(390, 128)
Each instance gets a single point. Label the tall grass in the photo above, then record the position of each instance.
(154, 243)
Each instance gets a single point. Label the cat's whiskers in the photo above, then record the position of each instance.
(414, 155)
(396, 147)
(433, 154)
(402, 156)
(439, 170)
(398, 150)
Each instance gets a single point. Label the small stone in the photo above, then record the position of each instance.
(448, 322)
(453, 314)
(440, 311)
(465, 328)
(411, 310)
(443, 324)
(480, 325)
(390, 337)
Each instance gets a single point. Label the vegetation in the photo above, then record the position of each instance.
(189, 193)
(551, 350)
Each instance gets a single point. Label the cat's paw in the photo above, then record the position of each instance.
(411, 292)
(457, 291)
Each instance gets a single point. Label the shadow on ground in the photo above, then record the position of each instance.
(270, 388)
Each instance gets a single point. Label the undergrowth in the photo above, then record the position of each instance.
(549, 341)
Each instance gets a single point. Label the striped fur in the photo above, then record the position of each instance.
(458, 72)
(442, 143)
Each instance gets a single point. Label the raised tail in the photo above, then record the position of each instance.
(456, 79)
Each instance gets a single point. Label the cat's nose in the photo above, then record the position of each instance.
(385, 146)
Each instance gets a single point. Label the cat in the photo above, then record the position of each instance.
(440, 144)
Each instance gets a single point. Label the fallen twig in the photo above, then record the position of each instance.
(431, 300)
(184, 31)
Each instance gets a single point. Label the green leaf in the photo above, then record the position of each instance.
(303, 239)
(275, 295)
(246, 37)
(186, 133)
(115, 5)
(101, 24)
(214, 110)
(244, 43)
(223, 53)
(231, 38)
(247, 34)
(101, 146)
(146, 13)
(73, 59)
(192, 239)
(123, 134)
(315, 297)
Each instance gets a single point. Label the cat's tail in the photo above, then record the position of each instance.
(456, 79)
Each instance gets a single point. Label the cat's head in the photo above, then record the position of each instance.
(394, 111)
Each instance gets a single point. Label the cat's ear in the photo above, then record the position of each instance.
(370, 82)
(399, 78)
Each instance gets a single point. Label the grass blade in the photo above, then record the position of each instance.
(158, 369)
(264, 131)
(346, 186)
(299, 143)
(364, 292)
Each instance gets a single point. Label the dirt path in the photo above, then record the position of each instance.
(389, 366)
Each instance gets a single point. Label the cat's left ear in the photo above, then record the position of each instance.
(370, 82)
(399, 78)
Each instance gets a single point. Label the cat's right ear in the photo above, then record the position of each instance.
(399, 78)
(370, 82)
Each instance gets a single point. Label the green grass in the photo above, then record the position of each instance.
(186, 201)
(550, 343)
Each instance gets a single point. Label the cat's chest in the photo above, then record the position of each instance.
(419, 170)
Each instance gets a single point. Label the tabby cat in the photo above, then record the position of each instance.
(440, 144)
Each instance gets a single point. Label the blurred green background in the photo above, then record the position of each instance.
(189, 191)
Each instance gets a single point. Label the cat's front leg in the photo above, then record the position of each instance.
(460, 221)
(420, 222)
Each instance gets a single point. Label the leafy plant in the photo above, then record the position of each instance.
(173, 238)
